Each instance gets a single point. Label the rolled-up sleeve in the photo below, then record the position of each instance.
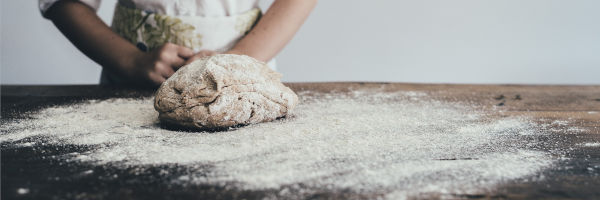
(46, 4)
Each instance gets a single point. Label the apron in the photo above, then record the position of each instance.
(149, 30)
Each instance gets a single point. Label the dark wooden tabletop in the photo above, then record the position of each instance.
(571, 178)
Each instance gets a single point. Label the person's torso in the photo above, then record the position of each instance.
(215, 25)
(204, 8)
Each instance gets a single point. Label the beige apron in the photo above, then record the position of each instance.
(150, 30)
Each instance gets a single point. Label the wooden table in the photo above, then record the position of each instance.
(577, 177)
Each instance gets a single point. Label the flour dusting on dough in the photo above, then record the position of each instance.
(222, 91)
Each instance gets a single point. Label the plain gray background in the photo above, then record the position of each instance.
(431, 41)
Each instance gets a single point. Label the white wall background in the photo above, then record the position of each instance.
(439, 41)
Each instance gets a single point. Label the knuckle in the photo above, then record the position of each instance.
(165, 47)
(150, 75)
(158, 67)
(163, 55)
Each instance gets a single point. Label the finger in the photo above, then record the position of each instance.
(165, 71)
(170, 58)
(177, 62)
(156, 78)
(193, 58)
(200, 55)
(206, 53)
(184, 52)
(170, 54)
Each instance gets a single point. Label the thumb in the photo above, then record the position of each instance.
(184, 52)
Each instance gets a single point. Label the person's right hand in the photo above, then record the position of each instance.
(159, 64)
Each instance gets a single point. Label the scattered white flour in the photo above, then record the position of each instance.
(396, 145)
(27, 144)
(22, 191)
(591, 144)
(574, 130)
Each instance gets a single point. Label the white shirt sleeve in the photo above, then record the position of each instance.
(46, 4)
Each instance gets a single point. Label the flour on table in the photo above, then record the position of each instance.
(222, 91)
(397, 145)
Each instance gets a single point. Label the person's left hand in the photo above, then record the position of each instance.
(199, 55)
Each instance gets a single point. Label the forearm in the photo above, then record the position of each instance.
(93, 37)
(275, 29)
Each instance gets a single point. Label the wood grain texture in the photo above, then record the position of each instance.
(576, 174)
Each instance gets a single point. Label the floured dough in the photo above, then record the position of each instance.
(222, 91)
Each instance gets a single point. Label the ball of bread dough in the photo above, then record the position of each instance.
(223, 91)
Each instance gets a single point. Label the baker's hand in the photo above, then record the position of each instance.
(159, 64)
(199, 55)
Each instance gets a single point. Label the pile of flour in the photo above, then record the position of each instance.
(393, 144)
